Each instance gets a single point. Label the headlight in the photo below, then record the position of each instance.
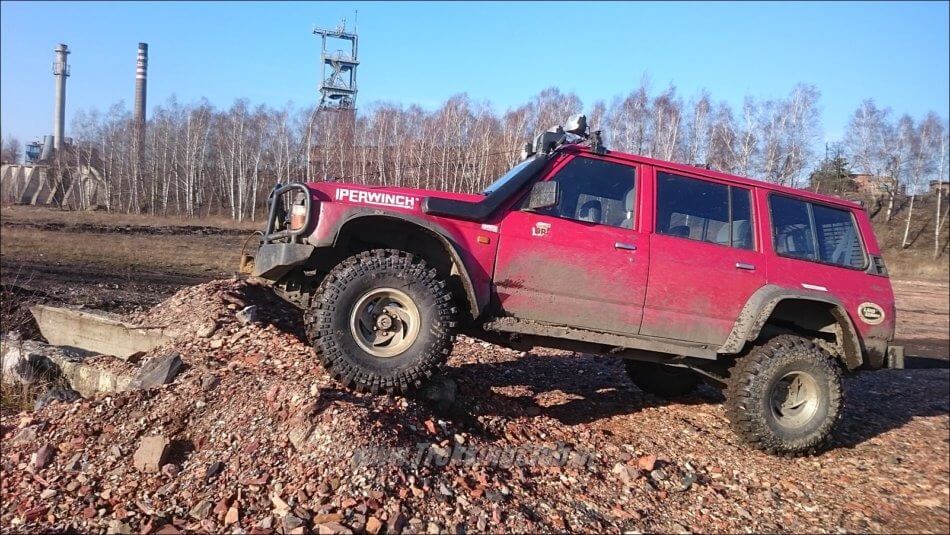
(298, 213)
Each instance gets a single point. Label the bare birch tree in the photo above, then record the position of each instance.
(924, 150)
(944, 156)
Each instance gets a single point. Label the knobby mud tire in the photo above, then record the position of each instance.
(749, 396)
(328, 318)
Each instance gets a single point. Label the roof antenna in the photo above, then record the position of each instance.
(356, 20)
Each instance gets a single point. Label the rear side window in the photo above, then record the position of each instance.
(838, 241)
(703, 211)
(815, 232)
(791, 228)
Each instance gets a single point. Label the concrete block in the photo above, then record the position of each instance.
(95, 332)
(86, 378)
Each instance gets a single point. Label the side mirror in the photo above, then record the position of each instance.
(543, 195)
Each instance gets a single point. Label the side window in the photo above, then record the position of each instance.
(741, 217)
(595, 191)
(791, 227)
(838, 241)
(703, 211)
(815, 232)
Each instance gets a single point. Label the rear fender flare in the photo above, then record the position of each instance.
(331, 237)
(762, 303)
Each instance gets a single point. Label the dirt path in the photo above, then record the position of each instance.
(26, 283)
(923, 318)
(148, 230)
(96, 286)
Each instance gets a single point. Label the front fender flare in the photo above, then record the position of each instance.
(330, 237)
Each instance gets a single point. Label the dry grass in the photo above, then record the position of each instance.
(41, 214)
(198, 255)
(19, 397)
(916, 264)
(190, 254)
(15, 396)
(916, 261)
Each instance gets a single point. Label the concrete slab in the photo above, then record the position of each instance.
(95, 332)
(84, 375)
(88, 379)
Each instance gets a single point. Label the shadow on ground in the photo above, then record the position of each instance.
(881, 401)
(584, 389)
(925, 363)
(571, 389)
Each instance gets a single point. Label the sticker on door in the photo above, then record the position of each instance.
(540, 230)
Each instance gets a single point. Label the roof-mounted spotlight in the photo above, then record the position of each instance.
(577, 125)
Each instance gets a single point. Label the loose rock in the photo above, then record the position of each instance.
(43, 456)
(151, 453)
(56, 393)
(157, 371)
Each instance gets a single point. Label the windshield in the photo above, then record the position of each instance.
(506, 177)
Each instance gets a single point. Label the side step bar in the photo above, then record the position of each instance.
(643, 343)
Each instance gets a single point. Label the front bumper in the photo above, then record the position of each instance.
(274, 260)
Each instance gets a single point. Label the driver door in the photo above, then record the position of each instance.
(583, 262)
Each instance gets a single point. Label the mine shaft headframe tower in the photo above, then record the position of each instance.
(338, 75)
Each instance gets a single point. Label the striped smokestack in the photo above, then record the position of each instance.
(141, 74)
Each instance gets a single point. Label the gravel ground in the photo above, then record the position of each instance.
(261, 441)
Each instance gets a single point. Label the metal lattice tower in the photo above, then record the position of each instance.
(338, 77)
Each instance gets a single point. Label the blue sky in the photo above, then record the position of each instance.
(896, 53)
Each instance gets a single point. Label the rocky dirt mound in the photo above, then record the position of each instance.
(252, 437)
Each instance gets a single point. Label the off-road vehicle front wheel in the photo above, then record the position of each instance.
(382, 320)
(785, 396)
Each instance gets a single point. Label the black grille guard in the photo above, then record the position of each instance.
(277, 217)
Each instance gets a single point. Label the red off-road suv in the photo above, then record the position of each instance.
(686, 273)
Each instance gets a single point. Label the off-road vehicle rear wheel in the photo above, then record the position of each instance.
(664, 381)
(785, 396)
(382, 320)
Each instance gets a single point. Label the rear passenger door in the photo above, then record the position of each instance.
(705, 259)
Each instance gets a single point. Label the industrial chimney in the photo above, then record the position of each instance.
(141, 73)
(60, 72)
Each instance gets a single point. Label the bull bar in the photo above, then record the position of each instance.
(280, 247)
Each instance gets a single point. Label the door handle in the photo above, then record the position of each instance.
(625, 246)
(747, 267)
